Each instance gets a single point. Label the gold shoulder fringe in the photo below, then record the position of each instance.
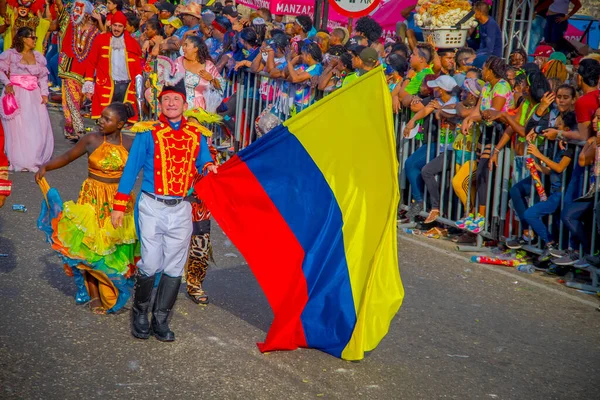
(203, 116)
(143, 126)
(204, 130)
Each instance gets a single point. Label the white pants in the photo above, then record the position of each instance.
(165, 233)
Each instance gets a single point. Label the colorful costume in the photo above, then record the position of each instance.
(29, 138)
(102, 79)
(200, 247)
(39, 25)
(76, 45)
(84, 236)
(5, 184)
(170, 154)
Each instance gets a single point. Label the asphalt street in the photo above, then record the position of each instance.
(465, 331)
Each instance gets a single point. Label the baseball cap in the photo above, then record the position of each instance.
(173, 21)
(543, 51)
(208, 16)
(474, 86)
(557, 55)
(369, 55)
(445, 82)
(357, 50)
(165, 6)
(353, 42)
(231, 11)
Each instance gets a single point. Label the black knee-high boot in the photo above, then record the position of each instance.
(140, 325)
(165, 299)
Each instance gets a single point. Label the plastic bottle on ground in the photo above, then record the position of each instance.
(526, 268)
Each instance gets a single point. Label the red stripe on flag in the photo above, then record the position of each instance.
(257, 221)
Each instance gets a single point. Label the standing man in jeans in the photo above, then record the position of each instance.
(557, 19)
(115, 60)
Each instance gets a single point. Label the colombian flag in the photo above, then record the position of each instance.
(312, 207)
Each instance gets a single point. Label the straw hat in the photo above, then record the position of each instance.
(193, 9)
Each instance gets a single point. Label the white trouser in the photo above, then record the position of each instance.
(165, 233)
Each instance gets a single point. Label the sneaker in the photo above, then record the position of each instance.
(515, 244)
(477, 225)
(556, 253)
(545, 256)
(570, 257)
(582, 263)
(414, 210)
(462, 223)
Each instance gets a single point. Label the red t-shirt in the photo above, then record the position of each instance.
(586, 106)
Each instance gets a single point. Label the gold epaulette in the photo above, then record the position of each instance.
(203, 116)
(203, 130)
(143, 126)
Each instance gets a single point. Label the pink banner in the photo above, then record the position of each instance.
(389, 13)
(294, 7)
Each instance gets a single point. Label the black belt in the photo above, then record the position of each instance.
(167, 202)
(121, 82)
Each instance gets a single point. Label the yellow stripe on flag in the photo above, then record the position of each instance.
(354, 147)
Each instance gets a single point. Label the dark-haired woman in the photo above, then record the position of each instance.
(29, 139)
(536, 94)
(301, 69)
(99, 257)
(113, 6)
(154, 38)
(200, 72)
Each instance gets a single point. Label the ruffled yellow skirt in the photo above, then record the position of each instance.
(83, 234)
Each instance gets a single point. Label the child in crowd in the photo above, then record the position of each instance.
(531, 218)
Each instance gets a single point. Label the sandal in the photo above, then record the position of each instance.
(97, 310)
(199, 298)
(436, 233)
(433, 215)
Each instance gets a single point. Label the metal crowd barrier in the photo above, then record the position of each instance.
(256, 92)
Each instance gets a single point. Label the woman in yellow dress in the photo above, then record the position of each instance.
(99, 257)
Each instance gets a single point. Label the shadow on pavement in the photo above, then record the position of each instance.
(54, 274)
(236, 291)
(9, 263)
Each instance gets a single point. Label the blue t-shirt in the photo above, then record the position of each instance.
(305, 96)
(491, 39)
(555, 177)
(181, 31)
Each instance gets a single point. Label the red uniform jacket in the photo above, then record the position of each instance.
(99, 65)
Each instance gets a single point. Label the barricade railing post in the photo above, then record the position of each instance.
(255, 90)
(488, 198)
(238, 112)
(444, 171)
(451, 177)
(505, 194)
(428, 156)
